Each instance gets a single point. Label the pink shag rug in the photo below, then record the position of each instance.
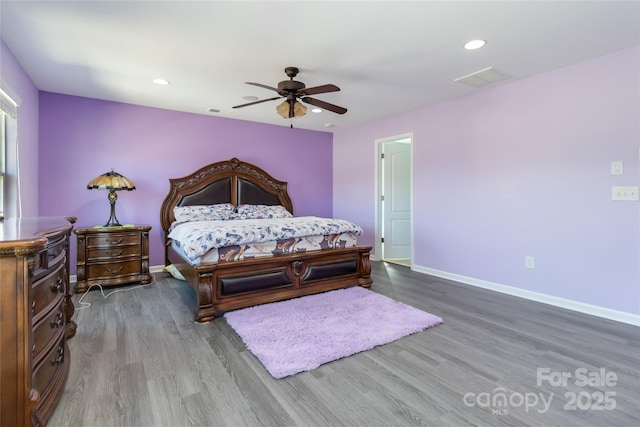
(301, 334)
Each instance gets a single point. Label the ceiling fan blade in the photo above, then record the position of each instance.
(319, 89)
(263, 86)
(324, 105)
(256, 102)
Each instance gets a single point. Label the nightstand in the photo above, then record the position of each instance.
(112, 256)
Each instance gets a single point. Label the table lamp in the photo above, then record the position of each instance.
(113, 182)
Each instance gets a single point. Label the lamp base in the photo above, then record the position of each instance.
(113, 221)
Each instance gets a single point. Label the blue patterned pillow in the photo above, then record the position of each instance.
(262, 211)
(219, 212)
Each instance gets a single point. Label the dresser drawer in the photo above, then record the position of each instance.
(46, 290)
(48, 329)
(114, 269)
(56, 249)
(113, 253)
(112, 239)
(50, 364)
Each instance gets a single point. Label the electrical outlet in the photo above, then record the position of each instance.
(617, 168)
(529, 262)
(628, 193)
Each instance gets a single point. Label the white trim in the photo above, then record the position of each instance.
(594, 310)
(156, 269)
(152, 269)
(9, 101)
(377, 247)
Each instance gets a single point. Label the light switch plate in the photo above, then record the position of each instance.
(628, 193)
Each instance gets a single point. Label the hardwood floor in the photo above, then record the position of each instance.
(138, 359)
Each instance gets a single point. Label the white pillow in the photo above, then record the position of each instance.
(262, 211)
(219, 212)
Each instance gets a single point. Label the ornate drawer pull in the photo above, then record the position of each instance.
(33, 307)
(115, 253)
(57, 286)
(114, 242)
(114, 270)
(297, 266)
(59, 321)
(60, 357)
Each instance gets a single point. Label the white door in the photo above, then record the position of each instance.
(396, 201)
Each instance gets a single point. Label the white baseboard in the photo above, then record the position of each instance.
(594, 310)
(156, 269)
(153, 269)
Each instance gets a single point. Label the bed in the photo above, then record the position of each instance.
(233, 282)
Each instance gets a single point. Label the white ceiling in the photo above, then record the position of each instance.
(387, 56)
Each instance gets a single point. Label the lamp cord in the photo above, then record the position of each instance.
(84, 305)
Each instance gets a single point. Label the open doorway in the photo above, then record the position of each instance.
(394, 199)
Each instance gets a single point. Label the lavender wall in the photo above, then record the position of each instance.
(81, 138)
(520, 169)
(16, 82)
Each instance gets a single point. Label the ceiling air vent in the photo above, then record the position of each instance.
(483, 77)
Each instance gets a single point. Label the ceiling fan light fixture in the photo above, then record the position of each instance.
(283, 109)
(291, 91)
(299, 110)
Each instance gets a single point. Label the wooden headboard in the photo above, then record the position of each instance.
(231, 181)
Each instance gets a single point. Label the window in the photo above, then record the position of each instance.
(3, 163)
(9, 177)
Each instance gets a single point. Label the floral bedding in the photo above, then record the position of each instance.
(196, 238)
(271, 248)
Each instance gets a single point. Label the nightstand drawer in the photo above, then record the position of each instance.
(114, 269)
(113, 239)
(46, 290)
(47, 330)
(113, 253)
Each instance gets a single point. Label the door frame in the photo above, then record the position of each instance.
(378, 249)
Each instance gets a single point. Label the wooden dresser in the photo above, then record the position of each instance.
(35, 317)
(112, 256)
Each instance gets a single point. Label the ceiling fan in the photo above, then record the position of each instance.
(293, 90)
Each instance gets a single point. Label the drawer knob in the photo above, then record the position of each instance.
(114, 242)
(57, 286)
(60, 356)
(115, 253)
(33, 307)
(59, 320)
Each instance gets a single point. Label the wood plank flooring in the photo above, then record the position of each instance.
(139, 359)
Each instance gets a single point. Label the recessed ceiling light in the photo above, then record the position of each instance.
(316, 110)
(250, 98)
(161, 82)
(329, 125)
(474, 44)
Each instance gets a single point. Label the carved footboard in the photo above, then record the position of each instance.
(238, 284)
